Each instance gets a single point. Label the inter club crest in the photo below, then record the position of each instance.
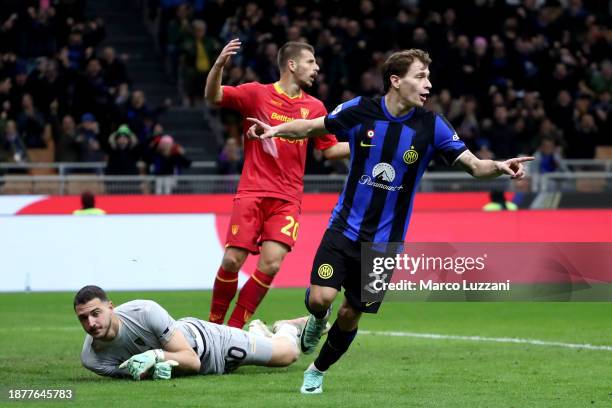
(411, 156)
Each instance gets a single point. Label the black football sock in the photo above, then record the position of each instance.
(335, 346)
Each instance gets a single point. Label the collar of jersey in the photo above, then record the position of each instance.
(390, 116)
(278, 89)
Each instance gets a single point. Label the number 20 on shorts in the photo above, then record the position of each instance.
(293, 225)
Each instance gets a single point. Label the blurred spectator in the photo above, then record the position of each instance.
(198, 53)
(91, 92)
(37, 32)
(561, 78)
(482, 67)
(94, 32)
(75, 50)
(122, 95)
(12, 147)
(502, 135)
(67, 145)
(466, 122)
(19, 87)
(447, 106)
(265, 65)
(603, 114)
(140, 117)
(166, 157)
(123, 155)
(463, 61)
(547, 157)
(230, 159)
(562, 112)
(166, 10)
(483, 151)
(47, 86)
(601, 80)
(88, 138)
(88, 205)
(179, 29)
(31, 124)
(369, 85)
(114, 70)
(5, 95)
(583, 141)
(9, 34)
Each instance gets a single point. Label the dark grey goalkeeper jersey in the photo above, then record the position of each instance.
(146, 326)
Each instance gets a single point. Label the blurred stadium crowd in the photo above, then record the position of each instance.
(513, 77)
(64, 96)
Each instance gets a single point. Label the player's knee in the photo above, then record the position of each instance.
(231, 264)
(348, 315)
(319, 300)
(232, 261)
(269, 266)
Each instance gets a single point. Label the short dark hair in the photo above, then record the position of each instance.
(88, 293)
(290, 50)
(399, 62)
(88, 200)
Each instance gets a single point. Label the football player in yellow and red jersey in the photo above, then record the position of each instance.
(266, 209)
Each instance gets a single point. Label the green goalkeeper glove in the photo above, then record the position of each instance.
(139, 364)
(163, 370)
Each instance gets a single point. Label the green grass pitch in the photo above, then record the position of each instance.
(40, 342)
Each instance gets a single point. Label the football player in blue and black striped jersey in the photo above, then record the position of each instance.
(392, 140)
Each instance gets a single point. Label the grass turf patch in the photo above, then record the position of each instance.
(41, 340)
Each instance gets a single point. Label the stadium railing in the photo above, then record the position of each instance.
(64, 168)
(602, 165)
(214, 184)
(583, 181)
(587, 176)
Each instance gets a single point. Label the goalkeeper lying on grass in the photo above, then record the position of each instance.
(139, 339)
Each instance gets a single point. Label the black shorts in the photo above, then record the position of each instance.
(338, 264)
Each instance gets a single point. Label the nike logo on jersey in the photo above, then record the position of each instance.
(364, 144)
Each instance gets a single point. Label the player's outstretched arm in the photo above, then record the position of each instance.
(492, 168)
(213, 92)
(297, 129)
(159, 363)
(178, 349)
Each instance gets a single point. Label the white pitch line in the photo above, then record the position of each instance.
(514, 340)
(431, 336)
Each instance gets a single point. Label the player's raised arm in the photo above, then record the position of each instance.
(492, 168)
(297, 129)
(213, 92)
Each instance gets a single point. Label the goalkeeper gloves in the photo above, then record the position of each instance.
(163, 370)
(139, 364)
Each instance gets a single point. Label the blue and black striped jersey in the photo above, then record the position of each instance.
(388, 158)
